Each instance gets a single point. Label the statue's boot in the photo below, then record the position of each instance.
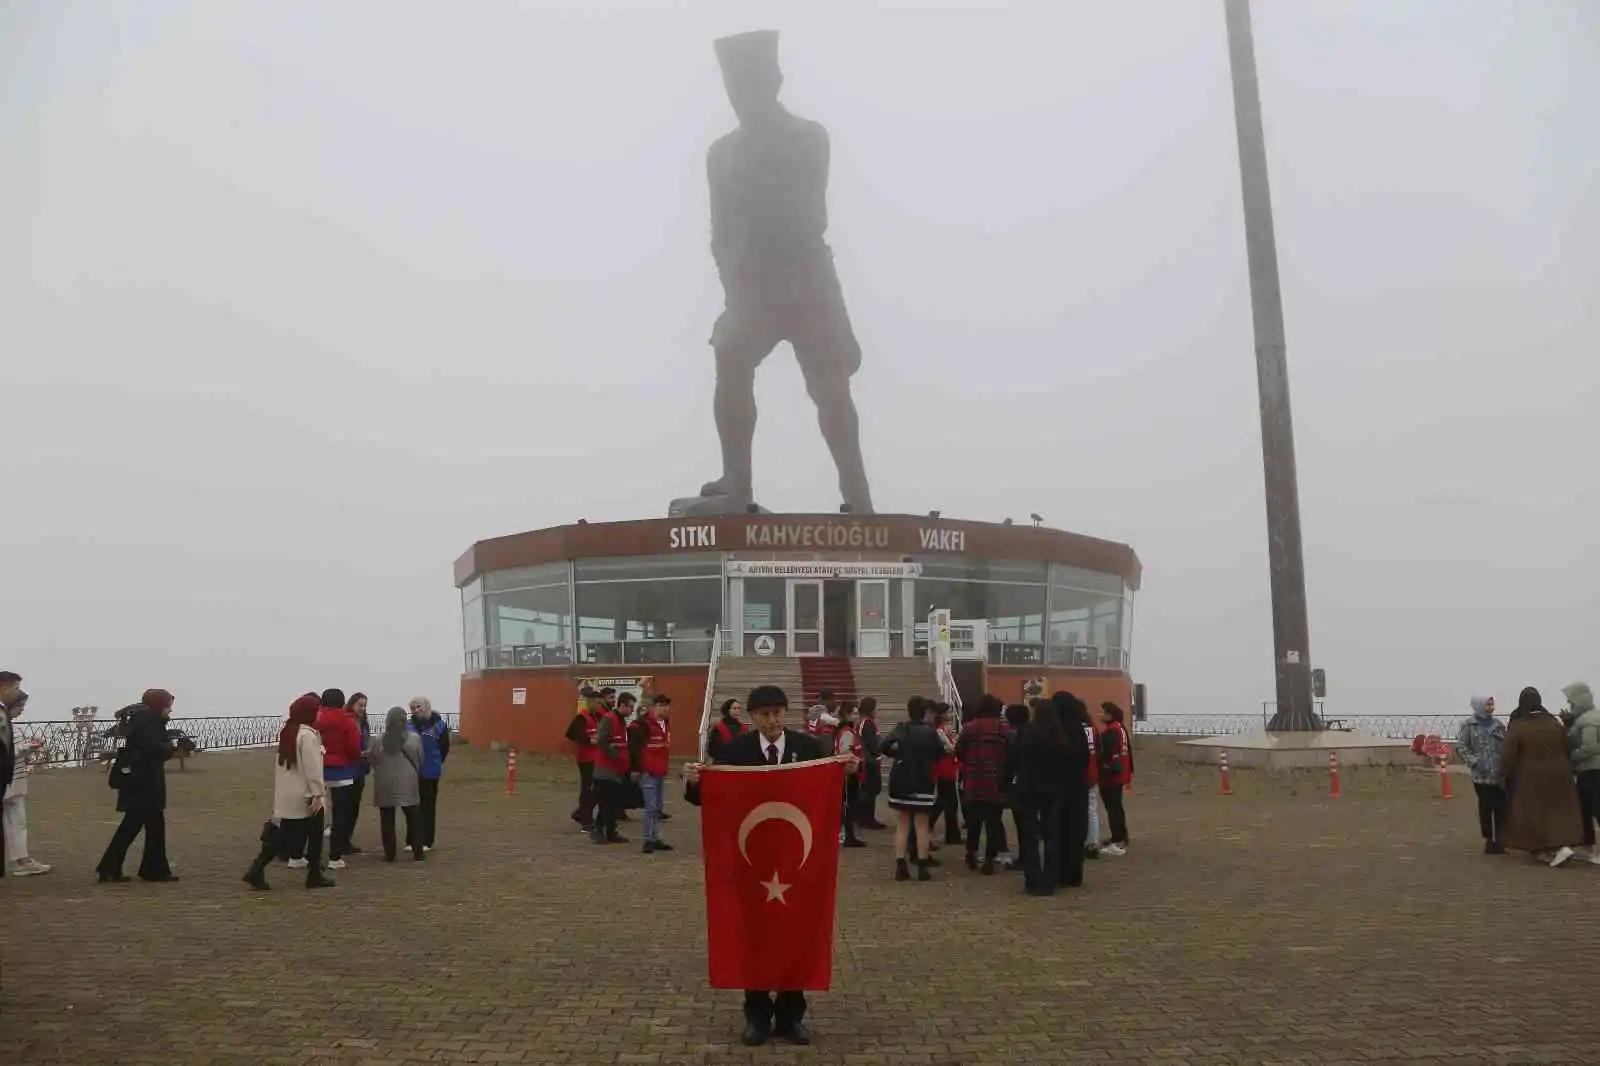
(726, 486)
(857, 496)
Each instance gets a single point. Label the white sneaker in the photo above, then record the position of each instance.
(296, 864)
(326, 833)
(337, 864)
(29, 868)
(1116, 851)
(427, 848)
(1561, 856)
(1593, 857)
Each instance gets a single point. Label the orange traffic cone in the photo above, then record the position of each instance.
(1227, 780)
(511, 772)
(1444, 777)
(1333, 775)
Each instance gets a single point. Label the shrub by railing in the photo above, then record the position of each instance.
(76, 743)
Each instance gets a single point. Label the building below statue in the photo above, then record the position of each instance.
(826, 601)
(1298, 751)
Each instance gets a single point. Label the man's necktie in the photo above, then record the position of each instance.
(772, 755)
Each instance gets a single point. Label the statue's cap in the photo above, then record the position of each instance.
(748, 52)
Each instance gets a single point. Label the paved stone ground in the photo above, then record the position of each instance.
(1274, 926)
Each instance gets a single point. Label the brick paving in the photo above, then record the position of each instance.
(1273, 926)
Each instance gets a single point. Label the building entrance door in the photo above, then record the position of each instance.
(872, 619)
(805, 617)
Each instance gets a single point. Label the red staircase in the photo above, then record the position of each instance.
(818, 672)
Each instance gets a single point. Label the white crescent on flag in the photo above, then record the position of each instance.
(774, 811)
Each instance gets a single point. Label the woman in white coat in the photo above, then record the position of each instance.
(299, 797)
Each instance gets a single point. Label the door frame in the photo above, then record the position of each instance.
(878, 631)
(790, 597)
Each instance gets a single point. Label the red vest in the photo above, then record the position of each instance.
(1119, 768)
(617, 764)
(590, 724)
(854, 748)
(945, 768)
(656, 759)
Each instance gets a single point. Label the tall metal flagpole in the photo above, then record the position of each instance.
(1290, 629)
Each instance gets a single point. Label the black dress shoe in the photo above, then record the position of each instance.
(665, 817)
(798, 1033)
(159, 879)
(660, 846)
(257, 880)
(114, 879)
(854, 842)
(615, 838)
(754, 1035)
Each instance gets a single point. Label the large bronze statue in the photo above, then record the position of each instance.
(769, 214)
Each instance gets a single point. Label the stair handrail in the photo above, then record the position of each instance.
(939, 656)
(711, 690)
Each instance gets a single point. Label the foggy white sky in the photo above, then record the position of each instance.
(297, 300)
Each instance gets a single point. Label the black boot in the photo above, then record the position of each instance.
(922, 870)
(972, 860)
(902, 872)
(316, 879)
(256, 876)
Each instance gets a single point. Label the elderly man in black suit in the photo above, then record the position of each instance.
(771, 744)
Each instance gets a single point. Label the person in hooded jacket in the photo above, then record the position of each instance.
(139, 773)
(434, 731)
(1545, 819)
(1481, 743)
(1583, 745)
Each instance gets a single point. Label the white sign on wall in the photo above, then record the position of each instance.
(744, 568)
(765, 645)
(519, 697)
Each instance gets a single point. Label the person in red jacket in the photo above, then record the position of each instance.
(947, 803)
(1116, 773)
(581, 731)
(650, 756)
(341, 759)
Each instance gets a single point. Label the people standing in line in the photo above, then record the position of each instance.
(397, 760)
(1545, 818)
(139, 770)
(916, 751)
(946, 801)
(581, 731)
(1583, 745)
(872, 781)
(1116, 774)
(358, 709)
(768, 1013)
(611, 769)
(434, 732)
(10, 689)
(981, 749)
(847, 741)
(341, 748)
(650, 756)
(14, 807)
(1481, 742)
(1083, 752)
(726, 727)
(299, 797)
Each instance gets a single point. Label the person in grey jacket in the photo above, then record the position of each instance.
(1583, 742)
(396, 782)
(1480, 742)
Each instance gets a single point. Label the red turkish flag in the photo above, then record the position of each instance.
(771, 842)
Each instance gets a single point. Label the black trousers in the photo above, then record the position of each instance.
(1074, 831)
(294, 836)
(583, 813)
(851, 812)
(608, 804)
(1116, 814)
(1041, 854)
(984, 816)
(413, 831)
(153, 824)
(774, 1010)
(345, 802)
(946, 804)
(1589, 800)
(430, 809)
(1493, 805)
(360, 789)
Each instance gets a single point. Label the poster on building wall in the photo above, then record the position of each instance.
(519, 697)
(641, 687)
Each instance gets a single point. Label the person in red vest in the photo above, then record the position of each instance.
(823, 718)
(650, 755)
(581, 731)
(611, 772)
(944, 775)
(1116, 773)
(847, 741)
(727, 728)
(872, 782)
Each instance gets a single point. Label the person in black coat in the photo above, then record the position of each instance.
(1048, 763)
(1075, 717)
(771, 743)
(141, 770)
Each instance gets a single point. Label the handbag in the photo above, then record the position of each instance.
(120, 775)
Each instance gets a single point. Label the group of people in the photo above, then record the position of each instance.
(624, 754)
(16, 763)
(1050, 763)
(1537, 775)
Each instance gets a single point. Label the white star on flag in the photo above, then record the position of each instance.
(776, 889)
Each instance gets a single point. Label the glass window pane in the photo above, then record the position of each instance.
(1014, 612)
(472, 629)
(472, 589)
(1071, 577)
(807, 606)
(1085, 628)
(649, 567)
(530, 617)
(525, 577)
(960, 568)
(649, 610)
(764, 604)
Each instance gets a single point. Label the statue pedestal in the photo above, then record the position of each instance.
(709, 506)
(1298, 751)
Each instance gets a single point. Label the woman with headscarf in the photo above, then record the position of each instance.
(299, 795)
(139, 774)
(1545, 820)
(1481, 743)
(396, 782)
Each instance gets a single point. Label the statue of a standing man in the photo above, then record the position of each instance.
(769, 214)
